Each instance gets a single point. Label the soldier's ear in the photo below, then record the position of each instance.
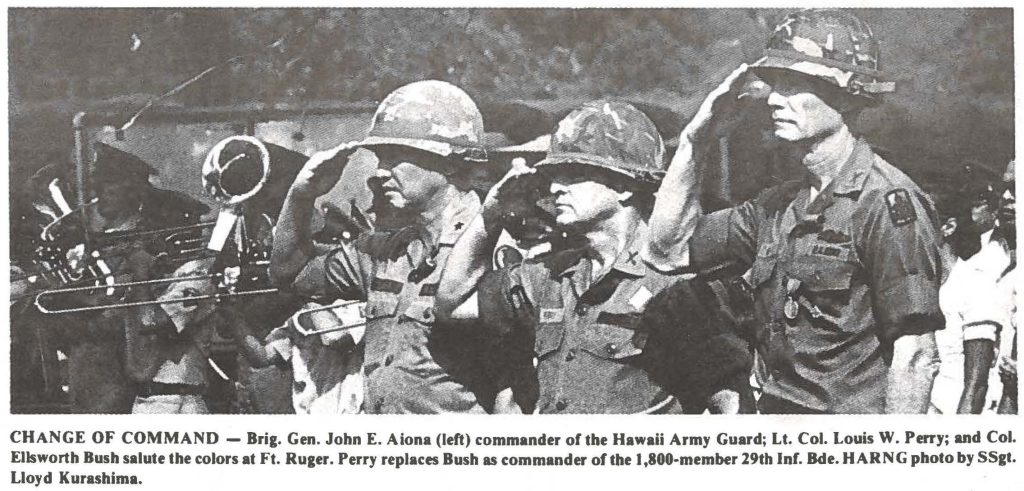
(850, 106)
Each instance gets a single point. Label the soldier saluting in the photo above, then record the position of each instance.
(844, 262)
(594, 317)
(422, 134)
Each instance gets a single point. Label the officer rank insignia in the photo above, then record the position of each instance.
(640, 298)
(901, 210)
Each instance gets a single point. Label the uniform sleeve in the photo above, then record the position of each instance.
(692, 349)
(985, 312)
(725, 238)
(505, 314)
(502, 300)
(279, 341)
(340, 273)
(901, 249)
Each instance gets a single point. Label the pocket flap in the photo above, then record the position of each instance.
(615, 336)
(421, 311)
(549, 338)
(381, 305)
(822, 275)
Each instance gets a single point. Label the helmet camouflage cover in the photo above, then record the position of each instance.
(611, 135)
(832, 45)
(429, 115)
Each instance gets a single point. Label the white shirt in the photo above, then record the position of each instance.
(978, 303)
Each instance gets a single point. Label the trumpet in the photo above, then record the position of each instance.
(236, 172)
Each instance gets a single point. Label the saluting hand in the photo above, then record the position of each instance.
(322, 170)
(508, 191)
(720, 109)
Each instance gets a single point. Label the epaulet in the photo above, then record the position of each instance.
(891, 187)
(777, 198)
(891, 175)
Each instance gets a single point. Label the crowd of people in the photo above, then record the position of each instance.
(590, 282)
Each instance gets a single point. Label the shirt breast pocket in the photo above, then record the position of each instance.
(548, 338)
(381, 305)
(615, 336)
(826, 287)
(421, 311)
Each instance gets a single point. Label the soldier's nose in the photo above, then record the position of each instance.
(383, 174)
(776, 100)
(558, 188)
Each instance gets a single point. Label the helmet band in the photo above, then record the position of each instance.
(798, 56)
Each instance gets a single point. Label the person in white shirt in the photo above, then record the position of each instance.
(977, 300)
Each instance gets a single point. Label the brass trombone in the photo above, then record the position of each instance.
(41, 304)
(236, 170)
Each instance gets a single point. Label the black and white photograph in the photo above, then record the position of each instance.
(511, 211)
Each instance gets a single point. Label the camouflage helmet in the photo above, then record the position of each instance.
(611, 135)
(429, 115)
(829, 44)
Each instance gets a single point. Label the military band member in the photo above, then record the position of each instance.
(844, 262)
(169, 344)
(125, 203)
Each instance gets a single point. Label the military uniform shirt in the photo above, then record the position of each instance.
(837, 281)
(408, 368)
(587, 337)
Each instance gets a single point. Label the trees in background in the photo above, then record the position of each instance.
(955, 66)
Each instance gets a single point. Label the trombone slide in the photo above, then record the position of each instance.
(345, 316)
(41, 303)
